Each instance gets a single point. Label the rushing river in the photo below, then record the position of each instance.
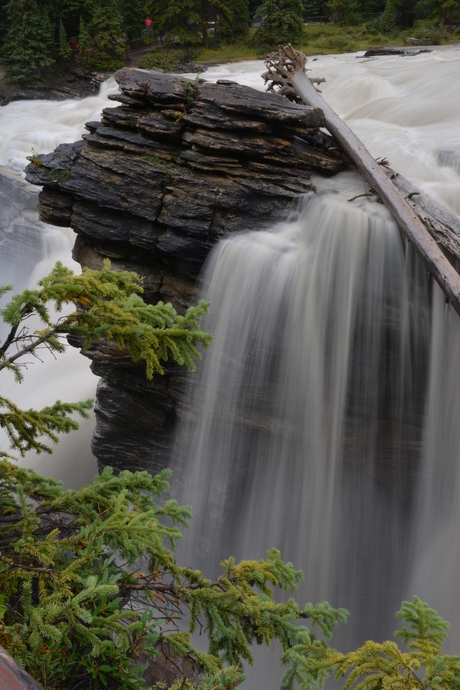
(28, 251)
(326, 412)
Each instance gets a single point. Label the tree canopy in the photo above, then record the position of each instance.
(282, 23)
(29, 45)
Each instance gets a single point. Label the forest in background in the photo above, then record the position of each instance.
(37, 37)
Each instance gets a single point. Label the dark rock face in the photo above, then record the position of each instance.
(153, 186)
(72, 84)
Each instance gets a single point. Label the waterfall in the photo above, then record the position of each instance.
(323, 420)
(435, 553)
(307, 410)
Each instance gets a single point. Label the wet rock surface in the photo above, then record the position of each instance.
(177, 166)
(71, 84)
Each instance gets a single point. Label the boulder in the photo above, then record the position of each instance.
(177, 166)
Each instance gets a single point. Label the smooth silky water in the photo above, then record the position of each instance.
(324, 415)
(319, 415)
(28, 251)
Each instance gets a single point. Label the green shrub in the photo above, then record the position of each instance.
(157, 59)
(283, 23)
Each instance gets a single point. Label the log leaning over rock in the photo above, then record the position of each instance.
(443, 225)
(287, 69)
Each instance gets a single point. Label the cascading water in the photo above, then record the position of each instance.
(28, 251)
(325, 412)
(307, 410)
(320, 411)
(435, 554)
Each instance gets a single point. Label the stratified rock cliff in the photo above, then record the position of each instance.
(153, 186)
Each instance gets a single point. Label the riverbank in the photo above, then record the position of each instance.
(73, 83)
(319, 39)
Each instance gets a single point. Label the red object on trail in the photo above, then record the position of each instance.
(148, 23)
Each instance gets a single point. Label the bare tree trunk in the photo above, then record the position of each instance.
(443, 225)
(287, 69)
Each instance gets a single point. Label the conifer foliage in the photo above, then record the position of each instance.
(107, 306)
(384, 666)
(29, 44)
(101, 39)
(283, 23)
(88, 580)
(235, 25)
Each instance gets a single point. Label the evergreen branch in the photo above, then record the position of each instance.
(40, 340)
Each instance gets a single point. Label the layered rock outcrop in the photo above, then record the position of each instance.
(153, 186)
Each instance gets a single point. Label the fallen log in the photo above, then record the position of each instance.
(443, 225)
(286, 69)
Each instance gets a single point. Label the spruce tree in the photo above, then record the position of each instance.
(344, 11)
(444, 11)
(283, 23)
(132, 15)
(108, 306)
(181, 18)
(315, 8)
(29, 47)
(88, 578)
(384, 665)
(398, 14)
(101, 38)
(235, 25)
(3, 23)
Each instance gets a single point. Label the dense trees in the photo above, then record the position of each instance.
(283, 22)
(235, 24)
(193, 21)
(402, 13)
(448, 11)
(35, 34)
(101, 38)
(29, 46)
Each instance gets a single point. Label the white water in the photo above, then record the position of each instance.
(28, 251)
(326, 413)
(298, 310)
(303, 397)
